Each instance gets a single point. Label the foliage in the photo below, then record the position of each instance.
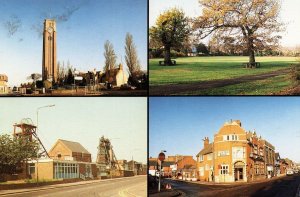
(295, 74)
(202, 48)
(70, 76)
(253, 24)
(171, 30)
(110, 56)
(34, 77)
(131, 57)
(14, 151)
(61, 73)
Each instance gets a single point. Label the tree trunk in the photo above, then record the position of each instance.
(168, 61)
(251, 53)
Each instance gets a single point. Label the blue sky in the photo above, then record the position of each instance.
(84, 120)
(82, 30)
(289, 15)
(178, 124)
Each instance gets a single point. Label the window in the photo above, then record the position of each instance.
(65, 170)
(201, 158)
(255, 149)
(209, 156)
(224, 169)
(201, 171)
(238, 152)
(31, 168)
(223, 153)
(206, 167)
(231, 137)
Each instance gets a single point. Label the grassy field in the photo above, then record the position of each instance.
(271, 86)
(196, 69)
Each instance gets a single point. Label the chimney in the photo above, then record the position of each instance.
(206, 142)
(120, 67)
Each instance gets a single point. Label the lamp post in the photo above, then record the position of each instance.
(37, 123)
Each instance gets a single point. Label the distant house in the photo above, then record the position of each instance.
(116, 77)
(3, 84)
(67, 150)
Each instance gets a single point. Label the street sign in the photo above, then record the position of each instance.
(161, 156)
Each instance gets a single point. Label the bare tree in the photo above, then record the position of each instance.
(131, 57)
(110, 56)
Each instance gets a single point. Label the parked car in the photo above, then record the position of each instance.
(289, 172)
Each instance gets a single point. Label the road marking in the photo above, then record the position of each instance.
(126, 193)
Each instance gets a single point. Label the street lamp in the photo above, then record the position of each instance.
(37, 156)
(37, 113)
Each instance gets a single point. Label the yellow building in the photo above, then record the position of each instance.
(224, 160)
(205, 162)
(230, 151)
(3, 84)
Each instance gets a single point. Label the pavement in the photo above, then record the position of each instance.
(119, 187)
(287, 186)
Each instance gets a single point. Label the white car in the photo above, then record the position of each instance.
(289, 172)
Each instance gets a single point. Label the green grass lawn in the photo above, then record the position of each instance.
(195, 69)
(273, 85)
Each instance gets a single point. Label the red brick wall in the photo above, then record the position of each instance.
(82, 157)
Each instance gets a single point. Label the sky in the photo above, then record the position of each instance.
(83, 26)
(178, 124)
(289, 15)
(84, 120)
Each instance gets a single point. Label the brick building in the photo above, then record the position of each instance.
(205, 161)
(235, 155)
(256, 159)
(69, 160)
(67, 150)
(178, 165)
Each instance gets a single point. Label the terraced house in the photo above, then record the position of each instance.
(235, 155)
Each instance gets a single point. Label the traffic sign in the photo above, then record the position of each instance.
(161, 156)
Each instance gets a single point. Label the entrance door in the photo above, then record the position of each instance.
(238, 174)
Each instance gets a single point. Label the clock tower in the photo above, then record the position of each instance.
(49, 51)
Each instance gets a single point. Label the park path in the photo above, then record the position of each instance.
(172, 89)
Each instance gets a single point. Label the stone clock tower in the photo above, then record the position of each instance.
(49, 51)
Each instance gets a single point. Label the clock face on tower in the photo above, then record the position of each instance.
(50, 30)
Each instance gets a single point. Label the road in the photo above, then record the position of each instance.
(122, 187)
(278, 187)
